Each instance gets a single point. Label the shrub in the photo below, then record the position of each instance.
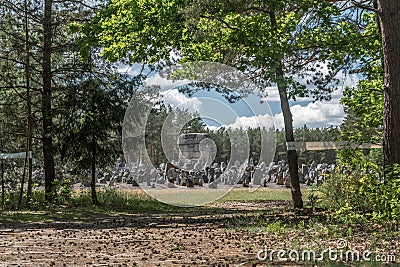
(362, 194)
(384, 194)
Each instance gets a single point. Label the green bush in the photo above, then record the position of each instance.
(362, 194)
(341, 193)
(384, 195)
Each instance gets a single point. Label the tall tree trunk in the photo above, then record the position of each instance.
(47, 139)
(389, 17)
(29, 105)
(289, 136)
(3, 193)
(93, 180)
(21, 190)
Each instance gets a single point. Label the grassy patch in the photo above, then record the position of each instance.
(261, 194)
(79, 206)
(130, 201)
(112, 201)
(25, 216)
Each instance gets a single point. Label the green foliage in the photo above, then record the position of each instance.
(140, 30)
(353, 157)
(363, 122)
(61, 195)
(260, 34)
(313, 197)
(12, 81)
(384, 194)
(115, 200)
(364, 106)
(363, 194)
(276, 228)
(71, 90)
(341, 194)
(253, 36)
(92, 109)
(62, 191)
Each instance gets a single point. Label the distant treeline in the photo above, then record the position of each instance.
(226, 139)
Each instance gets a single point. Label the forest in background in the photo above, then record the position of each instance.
(223, 142)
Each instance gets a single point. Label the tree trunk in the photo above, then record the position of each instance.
(29, 189)
(93, 180)
(389, 17)
(3, 193)
(289, 136)
(21, 190)
(29, 105)
(48, 157)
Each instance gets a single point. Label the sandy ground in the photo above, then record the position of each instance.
(172, 239)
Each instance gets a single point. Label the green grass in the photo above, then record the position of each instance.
(133, 201)
(261, 194)
(42, 216)
(78, 205)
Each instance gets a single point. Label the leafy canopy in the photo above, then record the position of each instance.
(311, 39)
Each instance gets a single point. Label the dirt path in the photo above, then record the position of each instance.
(194, 239)
(210, 236)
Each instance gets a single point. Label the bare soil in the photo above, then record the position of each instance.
(190, 239)
(197, 238)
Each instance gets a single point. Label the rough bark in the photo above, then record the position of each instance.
(21, 189)
(93, 180)
(289, 136)
(28, 159)
(3, 190)
(389, 18)
(29, 104)
(47, 139)
(3, 196)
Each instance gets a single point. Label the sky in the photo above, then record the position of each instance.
(216, 111)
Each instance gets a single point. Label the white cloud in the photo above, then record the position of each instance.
(253, 122)
(246, 122)
(212, 127)
(318, 114)
(178, 100)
